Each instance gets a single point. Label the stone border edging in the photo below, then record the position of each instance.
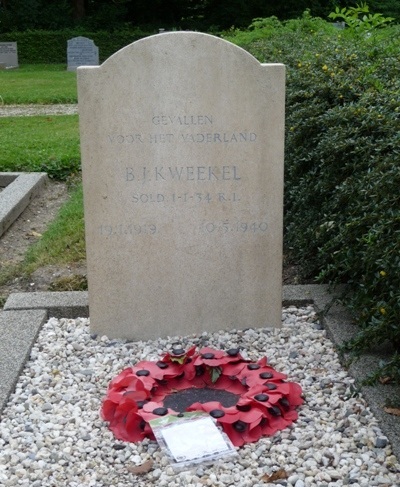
(38, 110)
(25, 313)
(19, 189)
(19, 330)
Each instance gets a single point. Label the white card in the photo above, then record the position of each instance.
(194, 439)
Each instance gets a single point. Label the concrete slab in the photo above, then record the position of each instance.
(68, 304)
(20, 188)
(18, 332)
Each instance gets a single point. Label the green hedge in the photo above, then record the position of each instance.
(342, 164)
(50, 47)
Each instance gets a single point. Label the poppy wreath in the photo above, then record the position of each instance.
(265, 401)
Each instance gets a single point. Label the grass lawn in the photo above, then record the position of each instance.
(43, 144)
(64, 240)
(38, 84)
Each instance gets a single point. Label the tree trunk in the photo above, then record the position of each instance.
(78, 7)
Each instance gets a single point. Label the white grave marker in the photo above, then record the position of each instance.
(8, 54)
(182, 150)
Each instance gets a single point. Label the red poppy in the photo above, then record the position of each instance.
(217, 411)
(159, 370)
(266, 402)
(216, 358)
(127, 384)
(179, 356)
(227, 384)
(144, 376)
(240, 433)
(233, 369)
(153, 409)
(126, 423)
(255, 374)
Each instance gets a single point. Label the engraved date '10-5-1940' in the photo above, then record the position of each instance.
(228, 226)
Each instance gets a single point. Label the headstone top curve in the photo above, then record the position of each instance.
(167, 37)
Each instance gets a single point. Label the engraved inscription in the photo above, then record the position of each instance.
(160, 138)
(7, 48)
(185, 198)
(224, 137)
(127, 229)
(183, 173)
(184, 129)
(126, 139)
(182, 120)
(196, 138)
(173, 123)
(228, 226)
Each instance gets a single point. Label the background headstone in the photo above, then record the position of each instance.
(339, 25)
(81, 51)
(8, 55)
(182, 151)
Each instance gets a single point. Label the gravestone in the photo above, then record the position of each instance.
(339, 25)
(8, 55)
(81, 51)
(182, 156)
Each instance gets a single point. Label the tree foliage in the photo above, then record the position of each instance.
(342, 165)
(214, 15)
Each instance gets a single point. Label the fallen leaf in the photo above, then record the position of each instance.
(385, 380)
(278, 475)
(395, 411)
(141, 469)
(319, 371)
(34, 234)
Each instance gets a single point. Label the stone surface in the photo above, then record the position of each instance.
(68, 304)
(9, 54)
(18, 330)
(81, 51)
(182, 152)
(20, 188)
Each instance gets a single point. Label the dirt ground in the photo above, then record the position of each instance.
(25, 231)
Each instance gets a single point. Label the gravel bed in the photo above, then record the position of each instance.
(51, 433)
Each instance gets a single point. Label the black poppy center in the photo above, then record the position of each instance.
(143, 373)
(160, 411)
(162, 365)
(240, 426)
(178, 351)
(243, 407)
(253, 366)
(266, 375)
(181, 400)
(261, 397)
(208, 355)
(217, 413)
